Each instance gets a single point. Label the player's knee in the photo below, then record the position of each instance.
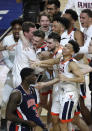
(76, 119)
(55, 119)
(64, 125)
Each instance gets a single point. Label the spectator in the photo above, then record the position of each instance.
(45, 23)
(31, 9)
(53, 8)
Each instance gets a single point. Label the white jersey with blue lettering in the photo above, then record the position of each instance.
(71, 34)
(64, 39)
(79, 5)
(64, 70)
(67, 95)
(87, 39)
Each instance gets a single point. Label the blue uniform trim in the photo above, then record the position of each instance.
(70, 109)
(65, 111)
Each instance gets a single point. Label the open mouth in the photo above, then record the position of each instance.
(82, 24)
(45, 26)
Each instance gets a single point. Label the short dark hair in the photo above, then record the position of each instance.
(17, 21)
(54, 36)
(26, 25)
(72, 13)
(88, 12)
(62, 20)
(75, 45)
(55, 2)
(39, 33)
(26, 72)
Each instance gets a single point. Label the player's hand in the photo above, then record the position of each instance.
(32, 64)
(63, 78)
(35, 63)
(25, 42)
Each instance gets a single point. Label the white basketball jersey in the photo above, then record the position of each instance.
(87, 38)
(79, 5)
(56, 67)
(64, 70)
(65, 37)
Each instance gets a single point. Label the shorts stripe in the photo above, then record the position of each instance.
(70, 109)
(19, 114)
(76, 113)
(64, 121)
(64, 114)
(54, 114)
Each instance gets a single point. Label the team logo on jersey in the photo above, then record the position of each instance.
(70, 96)
(30, 103)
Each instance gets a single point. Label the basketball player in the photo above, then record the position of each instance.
(78, 6)
(21, 108)
(55, 108)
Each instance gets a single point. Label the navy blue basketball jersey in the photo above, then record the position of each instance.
(27, 109)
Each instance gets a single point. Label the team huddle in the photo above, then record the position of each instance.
(47, 68)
